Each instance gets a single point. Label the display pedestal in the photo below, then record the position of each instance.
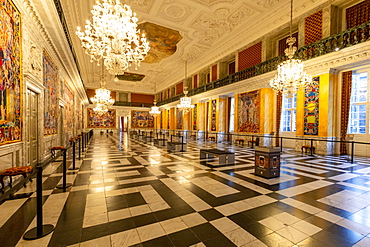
(267, 162)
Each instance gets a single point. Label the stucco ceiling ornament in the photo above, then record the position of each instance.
(267, 3)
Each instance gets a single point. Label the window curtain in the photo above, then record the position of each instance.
(279, 103)
(346, 101)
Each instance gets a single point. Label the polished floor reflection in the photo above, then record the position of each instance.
(131, 193)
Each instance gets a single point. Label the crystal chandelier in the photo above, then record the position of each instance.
(291, 75)
(113, 37)
(155, 110)
(102, 99)
(100, 109)
(185, 102)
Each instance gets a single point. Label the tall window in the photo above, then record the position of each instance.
(232, 110)
(359, 103)
(288, 113)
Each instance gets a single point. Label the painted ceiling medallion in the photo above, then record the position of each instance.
(130, 77)
(162, 41)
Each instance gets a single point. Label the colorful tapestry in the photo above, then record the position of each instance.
(141, 119)
(69, 108)
(311, 108)
(249, 112)
(213, 115)
(195, 117)
(78, 118)
(178, 119)
(10, 63)
(104, 121)
(51, 96)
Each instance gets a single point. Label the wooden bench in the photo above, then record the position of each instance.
(225, 157)
(14, 171)
(239, 141)
(307, 148)
(212, 138)
(54, 149)
(173, 146)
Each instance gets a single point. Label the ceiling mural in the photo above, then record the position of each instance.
(127, 76)
(162, 41)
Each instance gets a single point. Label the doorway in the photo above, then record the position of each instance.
(32, 127)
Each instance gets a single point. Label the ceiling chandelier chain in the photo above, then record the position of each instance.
(155, 109)
(291, 75)
(113, 37)
(185, 101)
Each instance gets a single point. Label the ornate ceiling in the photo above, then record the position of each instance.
(199, 31)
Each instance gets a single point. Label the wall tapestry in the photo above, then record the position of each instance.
(195, 117)
(10, 63)
(311, 108)
(69, 108)
(249, 112)
(78, 118)
(141, 119)
(178, 119)
(104, 121)
(51, 96)
(213, 115)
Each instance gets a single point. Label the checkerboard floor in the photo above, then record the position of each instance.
(130, 193)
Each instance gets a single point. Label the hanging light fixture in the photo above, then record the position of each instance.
(291, 75)
(113, 37)
(102, 99)
(185, 102)
(100, 109)
(155, 109)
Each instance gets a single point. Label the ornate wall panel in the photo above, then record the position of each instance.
(313, 28)
(10, 62)
(311, 108)
(104, 121)
(195, 112)
(213, 115)
(141, 119)
(250, 56)
(358, 14)
(178, 119)
(249, 112)
(51, 96)
(69, 108)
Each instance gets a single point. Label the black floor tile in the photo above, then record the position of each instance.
(184, 238)
(211, 214)
(162, 241)
(219, 241)
(206, 231)
(331, 239)
(145, 219)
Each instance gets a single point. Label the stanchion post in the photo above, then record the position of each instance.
(40, 230)
(352, 151)
(79, 147)
(83, 141)
(64, 185)
(73, 155)
(311, 147)
(281, 144)
(252, 141)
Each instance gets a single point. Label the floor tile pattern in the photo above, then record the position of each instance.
(130, 193)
